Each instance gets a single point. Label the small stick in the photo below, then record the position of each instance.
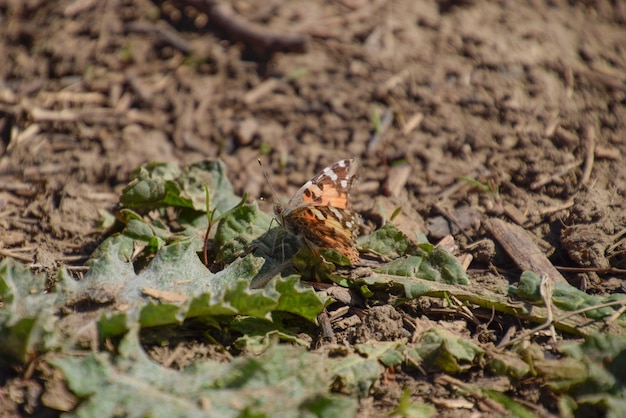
(590, 145)
(452, 219)
(165, 33)
(543, 180)
(563, 317)
(556, 208)
(17, 256)
(327, 328)
(546, 289)
(474, 391)
(609, 270)
(249, 33)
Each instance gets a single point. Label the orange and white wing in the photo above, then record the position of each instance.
(327, 227)
(330, 187)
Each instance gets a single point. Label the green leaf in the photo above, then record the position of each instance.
(387, 241)
(408, 409)
(449, 353)
(283, 381)
(27, 316)
(567, 297)
(237, 229)
(259, 334)
(513, 408)
(603, 357)
(508, 364)
(176, 269)
(410, 273)
(425, 262)
(410, 288)
(165, 184)
(389, 353)
(448, 266)
(355, 374)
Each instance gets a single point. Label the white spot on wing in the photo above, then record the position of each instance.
(337, 213)
(330, 173)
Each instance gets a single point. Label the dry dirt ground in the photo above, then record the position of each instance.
(527, 98)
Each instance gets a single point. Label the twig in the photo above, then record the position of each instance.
(609, 270)
(606, 80)
(474, 391)
(78, 7)
(465, 311)
(565, 316)
(165, 33)
(566, 137)
(261, 90)
(249, 33)
(452, 219)
(556, 208)
(543, 180)
(617, 314)
(546, 289)
(327, 328)
(607, 153)
(590, 144)
(77, 268)
(50, 97)
(413, 122)
(17, 256)
(104, 116)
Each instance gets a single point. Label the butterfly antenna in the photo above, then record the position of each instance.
(274, 194)
(269, 183)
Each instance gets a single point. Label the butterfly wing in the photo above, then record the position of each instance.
(326, 227)
(330, 187)
(320, 211)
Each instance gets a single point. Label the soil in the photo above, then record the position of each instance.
(526, 98)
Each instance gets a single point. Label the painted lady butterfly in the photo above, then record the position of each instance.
(320, 211)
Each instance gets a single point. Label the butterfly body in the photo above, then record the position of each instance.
(320, 211)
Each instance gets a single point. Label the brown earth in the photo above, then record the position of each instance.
(527, 98)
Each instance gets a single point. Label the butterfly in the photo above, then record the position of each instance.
(320, 211)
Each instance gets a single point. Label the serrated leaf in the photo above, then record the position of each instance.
(165, 184)
(299, 299)
(258, 334)
(389, 353)
(27, 317)
(388, 241)
(567, 297)
(598, 364)
(410, 272)
(448, 266)
(425, 262)
(237, 229)
(356, 374)
(283, 381)
(176, 270)
(154, 186)
(509, 364)
(450, 353)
